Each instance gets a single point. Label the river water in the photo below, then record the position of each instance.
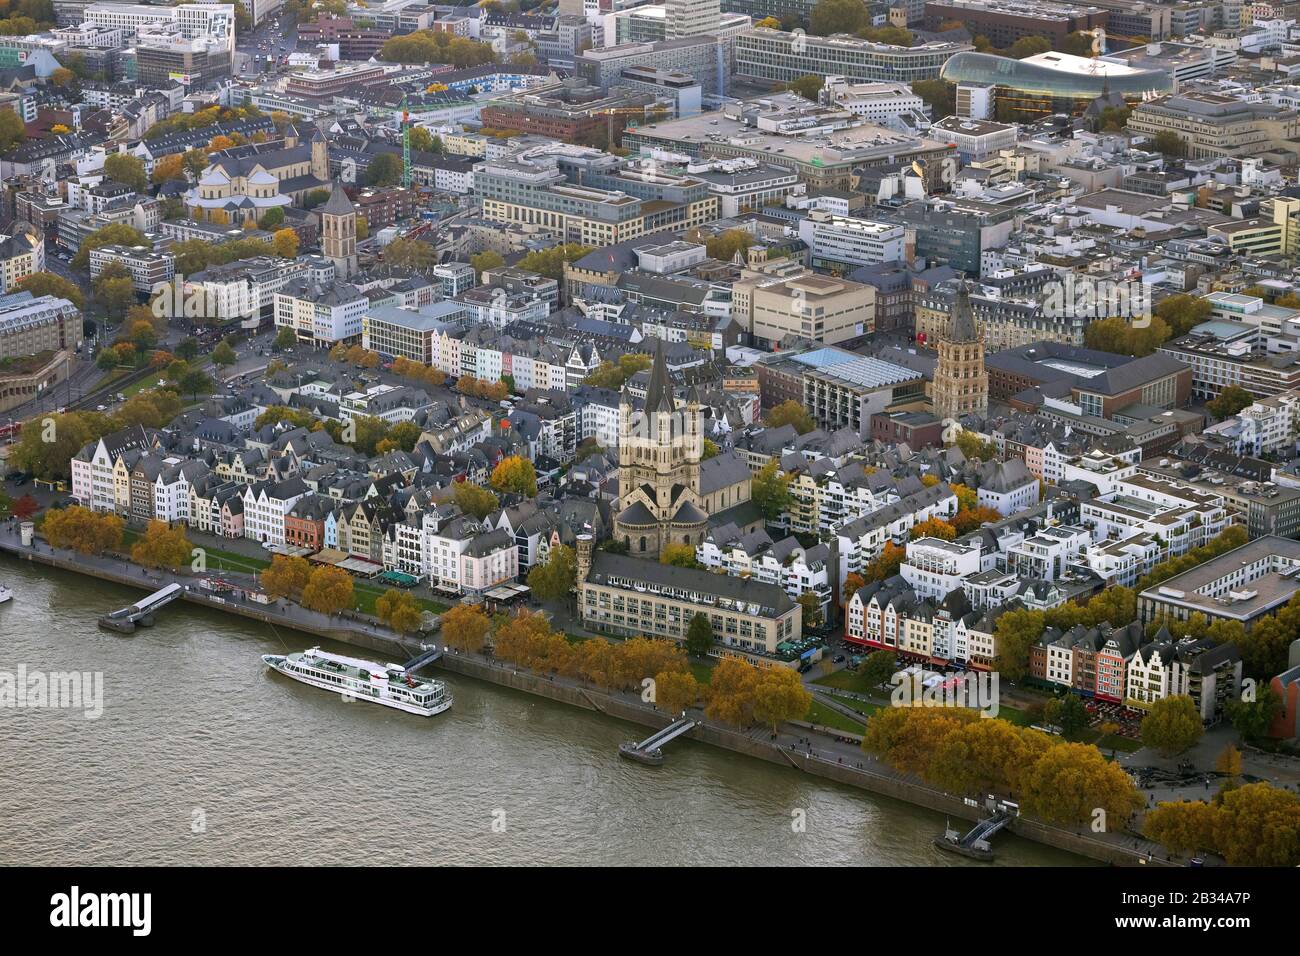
(201, 756)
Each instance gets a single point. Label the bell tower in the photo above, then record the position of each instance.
(338, 232)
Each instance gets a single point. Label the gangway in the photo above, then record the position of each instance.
(422, 660)
(975, 844)
(140, 614)
(650, 750)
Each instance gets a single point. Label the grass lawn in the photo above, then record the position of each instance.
(819, 713)
(1014, 715)
(847, 680)
(702, 670)
(861, 706)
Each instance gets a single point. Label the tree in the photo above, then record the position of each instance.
(811, 610)
(1229, 401)
(47, 444)
(732, 690)
(878, 668)
(1066, 712)
(1069, 782)
(328, 590)
(79, 529)
(725, 246)
(838, 16)
(1254, 825)
(1013, 634)
(676, 691)
(224, 355)
(554, 580)
(770, 491)
(384, 170)
(966, 521)
(483, 261)
(47, 283)
(972, 446)
(699, 635)
(286, 577)
(1172, 725)
(24, 508)
(1182, 313)
(852, 582)
(168, 168)
(474, 499)
(285, 243)
(678, 555)
(550, 262)
(1228, 762)
(195, 381)
(465, 628)
(398, 610)
(1028, 46)
(938, 95)
(162, 546)
(12, 131)
(515, 475)
(1252, 719)
(271, 218)
(886, 564)
(126, 169)
(116, 233)
(779, 695)
(807, 86)
(934, 528)
(790, 413)
(1168, 142)
(284, 339)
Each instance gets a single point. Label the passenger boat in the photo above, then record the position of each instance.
(386, 684)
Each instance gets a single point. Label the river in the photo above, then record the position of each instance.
(202, 757)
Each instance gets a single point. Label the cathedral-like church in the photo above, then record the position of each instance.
(667, 490)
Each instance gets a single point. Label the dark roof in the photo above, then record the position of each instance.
(770, 597)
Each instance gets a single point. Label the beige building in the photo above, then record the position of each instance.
(1210, 124)
(805, 304)
(20, 255)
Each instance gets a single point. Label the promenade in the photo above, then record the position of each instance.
(823, 752)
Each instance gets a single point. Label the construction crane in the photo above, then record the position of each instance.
(637, 113)
(404, 127)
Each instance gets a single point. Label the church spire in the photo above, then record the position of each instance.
(659, 393)
(962, 328)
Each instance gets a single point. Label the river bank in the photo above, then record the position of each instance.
(822, 756)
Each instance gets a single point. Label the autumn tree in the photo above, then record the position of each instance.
(678, 555)
(515, 475)
(934, 528)
(1069, 782)
(1172, 725)
(286, 577)
(328, 590)
(886, 563)
(48, 283)
(126, 169)
(676, 691)
(465, 628)
(779, 695)
(1229, 401)
(790, 413)
(162, 546)
(732, 689)
(1253, 825)
(285, 243)
(474, 499)
(80, 529)
(399, 610)
(1013, 635)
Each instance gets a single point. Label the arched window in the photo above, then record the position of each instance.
(642, 542)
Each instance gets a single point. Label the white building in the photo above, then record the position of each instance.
(934, 568)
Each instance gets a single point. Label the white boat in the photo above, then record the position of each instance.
(387, 684)
(5, 594)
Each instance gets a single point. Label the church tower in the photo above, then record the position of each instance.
(338, 232)
(961, 384)
(660, 449)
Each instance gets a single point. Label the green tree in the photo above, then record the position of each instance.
(47, 283)
(554, 580)
(699, 635)
(770, 491)
(384, 170)
(1229, 401)
(113, 234)
(1182, 313)
(126, 169)
(12, 131)
(1252, 719)
(838, 16)
(1169, 143)
(224, 355)
(807, 86)
(1172, 725)
(878, 668)
(1066, 712)
(483, 261)
(939, 95)
(474, 499)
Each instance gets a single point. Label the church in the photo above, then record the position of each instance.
(245, 183)
(667, 489)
